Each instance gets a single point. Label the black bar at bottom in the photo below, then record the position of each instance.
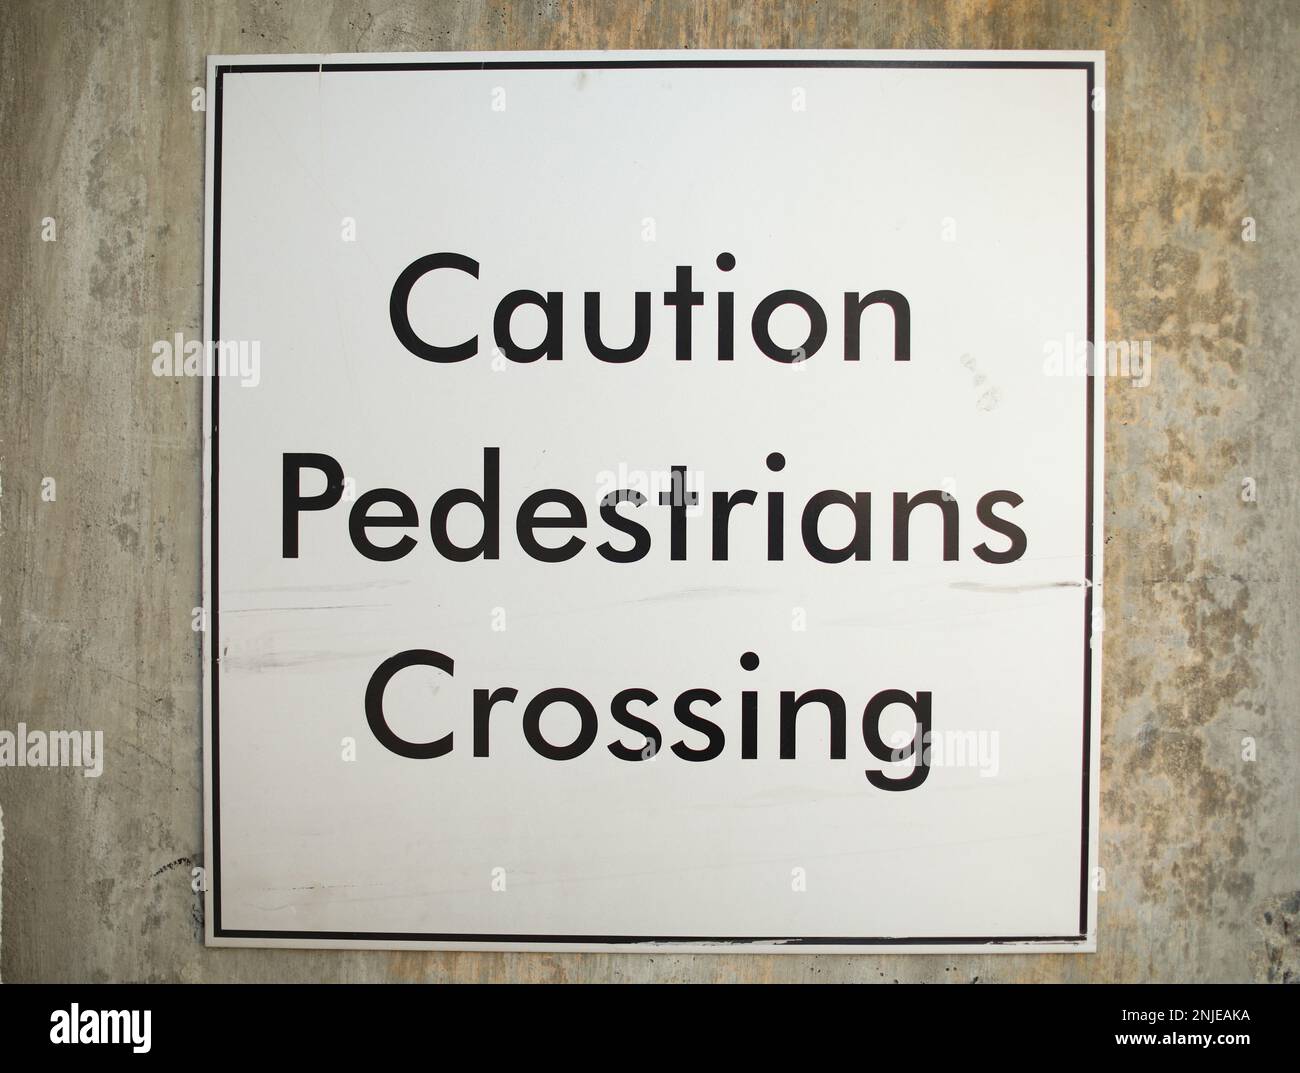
(586, 1025)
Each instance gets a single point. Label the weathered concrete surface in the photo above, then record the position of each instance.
(1201, 848)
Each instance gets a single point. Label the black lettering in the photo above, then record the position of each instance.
(688, 719)
(638, 532)
(853, 310)
(488, 504)
(533, 723)
(399, 300)
(640, 332)
(859, 547)
(790, 705)
(375, 704)
(1013, 532)
(484, 701)
(527, 521)
(684, 300)
(292, 501)
(761, 327)
(552, 345)
(647, 729)
(903, 508)
(918, 746)
(359, 520)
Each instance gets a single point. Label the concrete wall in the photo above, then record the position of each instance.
(96, 588)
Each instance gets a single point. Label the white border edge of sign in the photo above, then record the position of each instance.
(1088, 943)
(1095, 637)
(206, 557)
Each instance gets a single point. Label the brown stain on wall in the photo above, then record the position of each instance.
(1201, 848)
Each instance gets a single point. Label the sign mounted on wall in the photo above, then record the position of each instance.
(653, 500)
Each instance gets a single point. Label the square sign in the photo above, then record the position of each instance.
(653, 500)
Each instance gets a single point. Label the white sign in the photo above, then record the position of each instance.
(654, 500)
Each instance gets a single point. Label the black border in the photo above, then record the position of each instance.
(222, 70)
